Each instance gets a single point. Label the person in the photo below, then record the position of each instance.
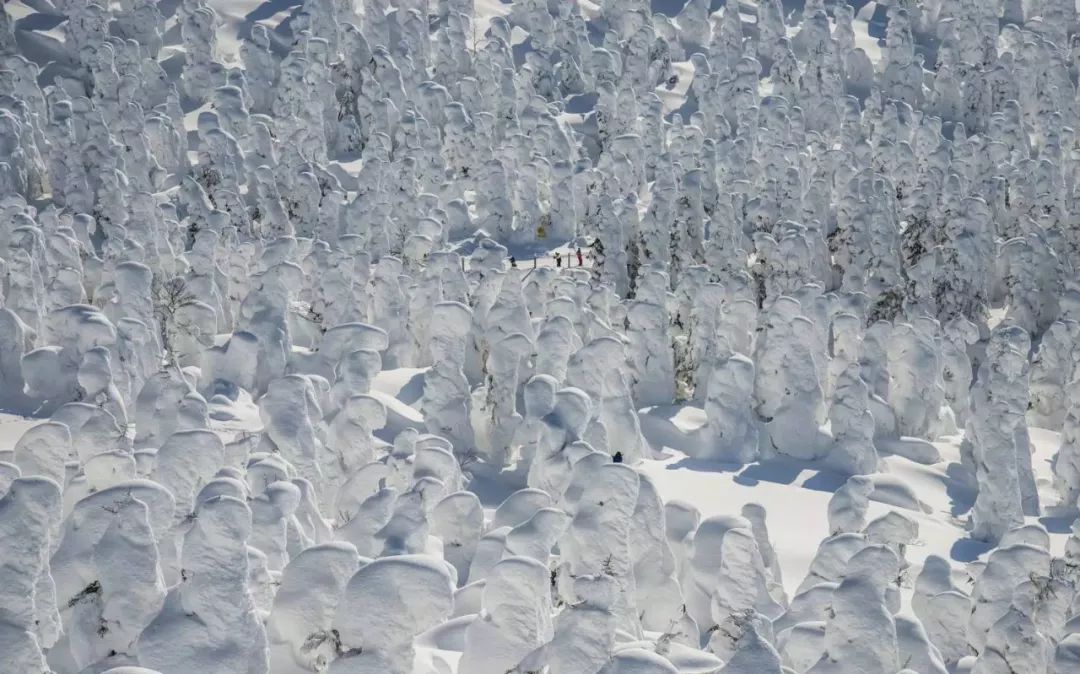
(558, 259)
(513, 262)
(580, 258)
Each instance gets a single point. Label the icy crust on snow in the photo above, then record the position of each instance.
(539, 337)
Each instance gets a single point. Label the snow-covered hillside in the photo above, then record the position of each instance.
(539, 337)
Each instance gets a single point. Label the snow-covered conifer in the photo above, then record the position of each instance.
(446, 400)
(860, 630)
(597, 540)
(7, 34)
(299, 626)
(847, 507)
(943, 608)
(199, 31)
(732, 431)
(915, 392)
(458, 520)
(415, 593)
(25, 511)
(959, 335)
(852, 425)
(1052, 368)
(650, 348)
(583, 635)
(1000, 452)
(209, 620)
(1021, 555)
(787, 390)
(105, 624)
(499, 638)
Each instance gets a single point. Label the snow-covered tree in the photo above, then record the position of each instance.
(1000, 454)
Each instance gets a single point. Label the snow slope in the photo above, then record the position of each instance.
(338, 517)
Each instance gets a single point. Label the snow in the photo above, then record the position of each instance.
(794, 495)
(292, 380)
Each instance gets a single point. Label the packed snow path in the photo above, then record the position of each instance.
(539, 337)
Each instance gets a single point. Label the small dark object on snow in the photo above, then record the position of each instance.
(617, 458)
(90, 590)
(580, 258)
(513, 262)
(558, 260)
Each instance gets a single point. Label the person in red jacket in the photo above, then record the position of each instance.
(580, 258)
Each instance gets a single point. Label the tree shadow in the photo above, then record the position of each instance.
(705, 466)
(168, 7)
(413, 390)
(968, 549)
(777, 472)
(788, 471)
(39, 21)
(581, 104)
(173, 65)
(520, 49)
(1058, 520)
(43, 7)
(669, 8)
(659, 429)
(826, 481)
(269, 9)
(172, 35)
(281, 35)
(489, 484)
(960, 495)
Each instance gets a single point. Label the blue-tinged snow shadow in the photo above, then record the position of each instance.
(42, 6)
(878, 22)
(413, 390)
(173, 65)
(826, 481)
(581, 104)
(45, 51)
(269, 9)
(788, 471)
(667, 7)
(172, 35)
(706, 466)
(778, 471)
(960, 495)
(857, 5)
(40, 21)
(489, 484)
(1059, 523)
(775, 472)
(168, 7)
(968, 549)
(520, 49)
(281, 35)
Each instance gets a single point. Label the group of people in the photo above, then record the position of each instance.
(578, 253)
(558, 259)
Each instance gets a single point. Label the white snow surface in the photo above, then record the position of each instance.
(539, 337)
